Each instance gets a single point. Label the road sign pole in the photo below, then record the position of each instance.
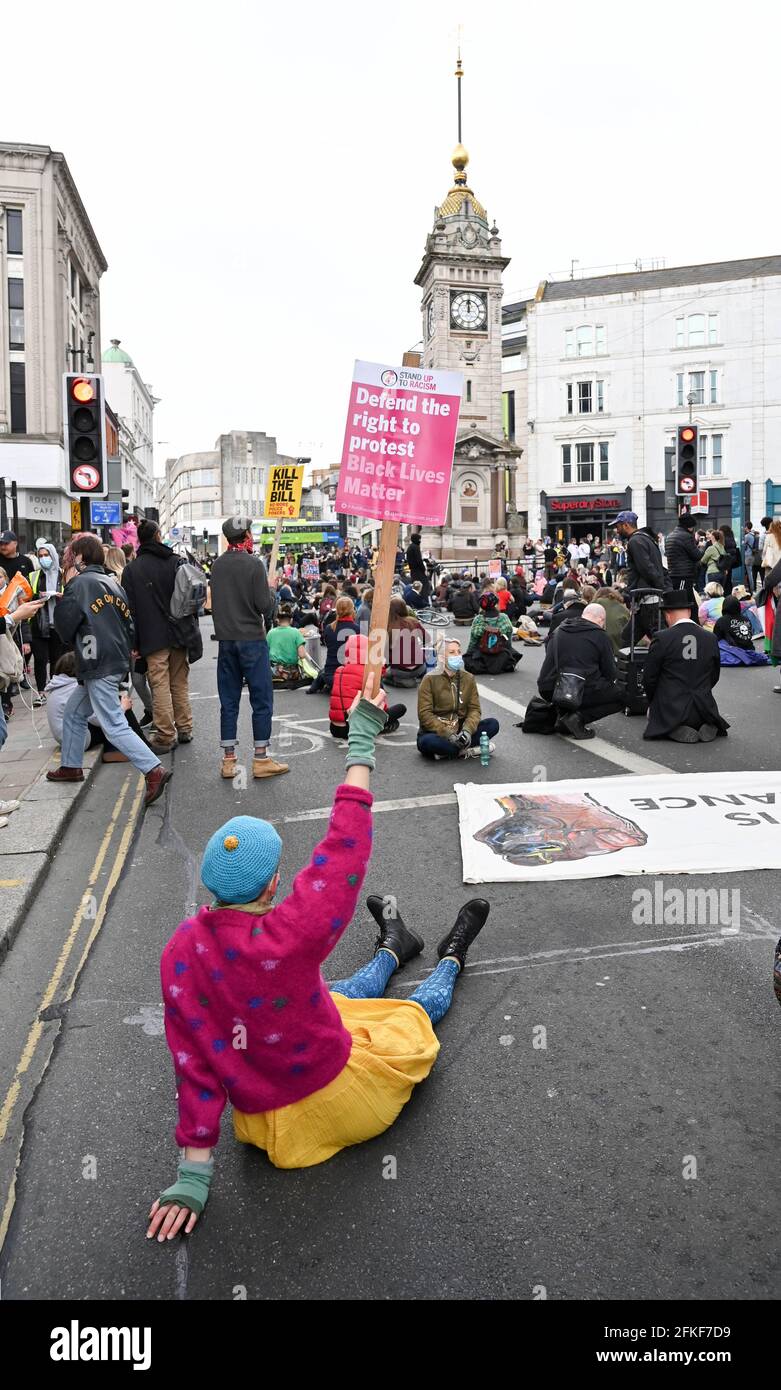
(274, 556)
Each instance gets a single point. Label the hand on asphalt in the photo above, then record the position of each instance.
(166, 1222)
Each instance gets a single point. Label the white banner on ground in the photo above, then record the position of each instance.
(710, 822)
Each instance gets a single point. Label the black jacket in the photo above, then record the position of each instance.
(683, 555)
(580, 646)
(562, 612)
(417, 566)
(680, 671)
(149, 582)
(463, 603)
(93, 616)
(644, 569)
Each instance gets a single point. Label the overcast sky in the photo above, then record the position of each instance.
(262, 177)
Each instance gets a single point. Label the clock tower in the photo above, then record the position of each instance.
(461, 284)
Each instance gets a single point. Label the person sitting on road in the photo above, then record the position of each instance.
(580, 646)
(735, 635)
(324, 1067)
(573, 603)
(681, 669)
(490, 651)
(348, 682)
(363, 615)
(406, 646)
(413, 595)
(449, 712)
(611, 599)
(333, 637)
(286, 647)
(712, 604)
(464, 605)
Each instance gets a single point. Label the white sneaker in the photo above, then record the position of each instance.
(6, 807)
(475, 752)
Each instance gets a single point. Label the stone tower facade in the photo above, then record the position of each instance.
(461, 286)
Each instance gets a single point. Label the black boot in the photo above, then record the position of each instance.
(572, 726)
(469, 923)
(394, 936)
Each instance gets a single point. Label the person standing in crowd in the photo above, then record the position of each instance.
(93, 616)
(160, 640)
(683, 557)
(417, 566)
(9, 622)
(46, 645)
(749, 554)
(680, 671)
(644, 570)
(712, 558)
(449, 714)
(771, 547)
(13, 563)
(581, 646)
(243, 611)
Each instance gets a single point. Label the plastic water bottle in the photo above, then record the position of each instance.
(485, 749)
(430, 658)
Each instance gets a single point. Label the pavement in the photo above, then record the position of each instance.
(633, 1156)
(29, 842)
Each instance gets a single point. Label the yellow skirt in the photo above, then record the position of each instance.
(394, 1048)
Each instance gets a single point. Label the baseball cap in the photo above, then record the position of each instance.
(629, 517)
(235, 527)
(8, 538)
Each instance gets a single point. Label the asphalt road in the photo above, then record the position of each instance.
(518, 1170)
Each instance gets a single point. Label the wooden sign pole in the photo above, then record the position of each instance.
(383, 582)
(274, 556)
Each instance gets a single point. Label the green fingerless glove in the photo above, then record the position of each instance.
(364, 724)
(191, 1188)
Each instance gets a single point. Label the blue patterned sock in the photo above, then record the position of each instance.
(371, 981)
(435, 995)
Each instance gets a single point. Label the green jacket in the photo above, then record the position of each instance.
(447, 704)
(616, 619)
(710, 559)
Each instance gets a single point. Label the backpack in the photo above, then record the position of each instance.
(11, 662)
(491, 641)
(189, 593)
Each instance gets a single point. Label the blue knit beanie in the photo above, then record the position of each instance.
(240, 859)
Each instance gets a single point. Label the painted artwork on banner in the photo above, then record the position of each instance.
(712, 822)
(283, 490)
(399, 442)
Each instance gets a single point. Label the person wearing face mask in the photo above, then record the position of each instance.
(46, 645)
(449, 712)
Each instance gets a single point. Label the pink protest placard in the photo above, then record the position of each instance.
(398, 445)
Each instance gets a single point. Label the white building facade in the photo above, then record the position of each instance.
(131, 399)
(617, 362)
(50, 269)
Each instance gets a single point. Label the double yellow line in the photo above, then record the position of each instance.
(50, 992)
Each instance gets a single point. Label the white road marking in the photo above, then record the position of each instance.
(622, 757)
(410, 803)
(582, 955)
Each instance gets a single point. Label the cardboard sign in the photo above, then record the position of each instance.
(495, 568)
(310, 569)
(283, 491)
(397, 457)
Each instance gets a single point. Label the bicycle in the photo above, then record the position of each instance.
(433, 617)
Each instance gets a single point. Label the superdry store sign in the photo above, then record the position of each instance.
(585, 504)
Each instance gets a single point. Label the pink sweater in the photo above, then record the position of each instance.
(248, 1015)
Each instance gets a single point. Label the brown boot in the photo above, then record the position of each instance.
(65, 774)
(229, 766)
(268, 767)
(155, 783)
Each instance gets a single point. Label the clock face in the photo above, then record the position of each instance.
(469, 310)
(430, 319)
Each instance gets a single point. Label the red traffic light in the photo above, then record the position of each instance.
(688, 434)
(83, 390)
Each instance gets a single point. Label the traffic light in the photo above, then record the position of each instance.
(686, 461)
(205, 534)
(84, 429)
